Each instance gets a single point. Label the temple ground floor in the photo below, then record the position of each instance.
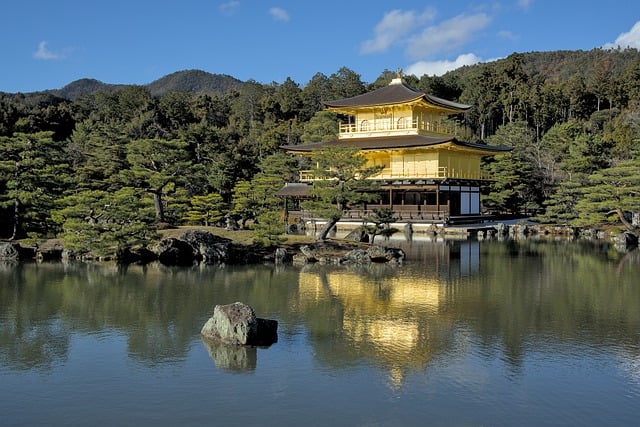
(420, 203)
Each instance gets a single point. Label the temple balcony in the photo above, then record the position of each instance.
(442, 173)
(402, 126)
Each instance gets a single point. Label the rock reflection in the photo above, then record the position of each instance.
(235, 358)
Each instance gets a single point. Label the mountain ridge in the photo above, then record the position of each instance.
(196, 81)
(558, 65)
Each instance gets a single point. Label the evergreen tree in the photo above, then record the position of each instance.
(33, 171)
(244, 202)
(105, 223)
(155, 165)
(345, 83)
(206, 210)
(98, 154)
(611, 191)
(269, 229)
(252, 198)
(516, 183)
(560, 206)
(341, 181)
(322, 127)
(318, 89)
(380, 219)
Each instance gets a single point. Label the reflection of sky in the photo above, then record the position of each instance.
(630, 365)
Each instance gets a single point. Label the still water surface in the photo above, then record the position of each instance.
(464, 334)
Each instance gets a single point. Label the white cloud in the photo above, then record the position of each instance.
(507, 35)
(448, 35)
(392, 27)
(279, 14)
(628, 39)
(524, 4)
(438, 68)
(45, 54)
(229, 8)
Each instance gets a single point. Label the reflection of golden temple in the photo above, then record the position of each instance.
(393, 321)
(359, 291)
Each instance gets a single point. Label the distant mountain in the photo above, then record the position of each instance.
(554, 66)
(85, 87)
(194, 81)
(562, 65)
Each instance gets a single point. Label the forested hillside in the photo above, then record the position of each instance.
(103, 165)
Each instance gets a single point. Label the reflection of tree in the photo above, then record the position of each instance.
(159, 309)
(535, 293)
(31, 336)
(523, 295)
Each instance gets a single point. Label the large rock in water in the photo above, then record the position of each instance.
(237, 324)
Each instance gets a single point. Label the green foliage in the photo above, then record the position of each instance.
(567, 115)
(155, 164)
(341, 181)
(268, 230)
(322, 127)
(610, 191)
(98, 154)
(252, 198)
(380, 219)
(560, 207)
(33, 174)
(105, 223)
(509, 190)
(193, 81)
(514, 185)
(205, 210)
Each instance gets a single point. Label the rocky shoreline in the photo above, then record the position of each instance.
(195, 246)
(200, 246)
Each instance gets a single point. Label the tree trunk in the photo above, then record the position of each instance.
(324, 232)
(626, 223)
(16, 218)
(157, 202)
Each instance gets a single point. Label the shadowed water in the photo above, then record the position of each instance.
(465, 333)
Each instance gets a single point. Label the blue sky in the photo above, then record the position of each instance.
(46, 44)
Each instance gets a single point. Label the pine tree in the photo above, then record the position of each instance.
(206, 209)
(155, 164)
(341, 181)
(33, 171)
(104, 222)
(611, 191)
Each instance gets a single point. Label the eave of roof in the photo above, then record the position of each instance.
(398, 93)
(393, 142)
(294, 189)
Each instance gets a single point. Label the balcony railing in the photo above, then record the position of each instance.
(388, 127)
(442, 173)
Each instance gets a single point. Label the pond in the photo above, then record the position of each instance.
(464, 333)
